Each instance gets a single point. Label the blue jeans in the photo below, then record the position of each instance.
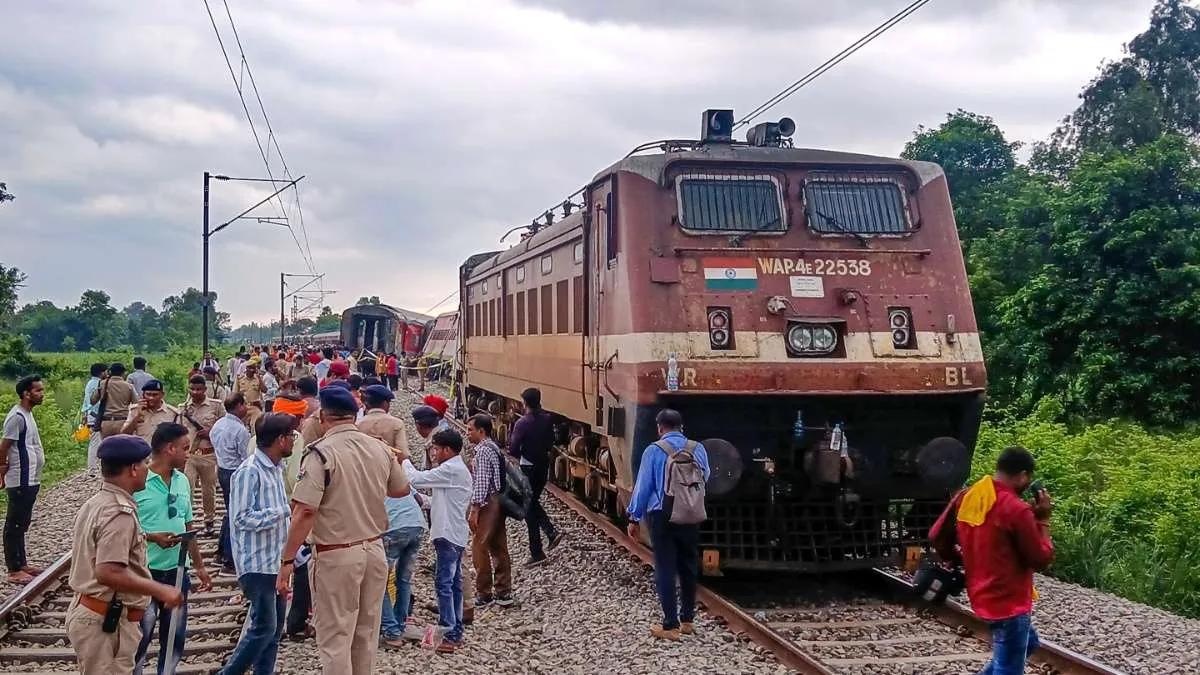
(1013, 640)
(400, 546)
(224, 550)
(448, 582)
(260, 641)
(154, 615)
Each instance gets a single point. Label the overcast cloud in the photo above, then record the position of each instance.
(427, 129)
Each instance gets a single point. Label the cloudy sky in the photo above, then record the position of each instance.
(428, 128)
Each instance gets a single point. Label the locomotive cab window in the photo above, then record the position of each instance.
(856, 206)
(714, 203)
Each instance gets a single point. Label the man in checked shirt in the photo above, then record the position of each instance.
(489, 542)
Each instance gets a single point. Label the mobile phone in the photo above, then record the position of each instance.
(1035, 488)
(112, 617)
(185, 537)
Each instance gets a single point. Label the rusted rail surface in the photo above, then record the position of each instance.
(33, 590)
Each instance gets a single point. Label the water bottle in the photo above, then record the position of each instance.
(798, 428)
(672, 372)
(838, 441)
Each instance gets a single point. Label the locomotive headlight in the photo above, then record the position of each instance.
(823, 339)
(800, 338)
(720, 328)
(902, 327)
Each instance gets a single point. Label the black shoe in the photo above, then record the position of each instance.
(482, 601)
(505, 600)
(555, 541)
(228, 568)
(537, 562)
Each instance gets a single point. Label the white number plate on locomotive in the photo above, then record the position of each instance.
(807, 287)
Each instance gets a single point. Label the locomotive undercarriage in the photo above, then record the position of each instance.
(779, 500)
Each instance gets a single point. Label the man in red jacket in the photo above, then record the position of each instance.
(1001, 540)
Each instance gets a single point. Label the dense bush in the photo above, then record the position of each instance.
(1127, 515)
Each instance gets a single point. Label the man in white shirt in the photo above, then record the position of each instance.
(230, 440)
(450, 482)
(139, 377)
(23, 458)
(321, 370)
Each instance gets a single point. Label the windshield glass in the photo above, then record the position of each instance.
(730, 204)
(857, 208)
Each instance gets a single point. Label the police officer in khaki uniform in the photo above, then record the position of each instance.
(145, 415)
(250, 385)
(117, 395)
(338, 504)
(108, 564)
(378, 422)
(198, 415)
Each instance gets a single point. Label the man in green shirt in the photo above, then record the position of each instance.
(165, 512)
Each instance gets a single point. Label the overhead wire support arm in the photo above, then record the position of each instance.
(260, 203)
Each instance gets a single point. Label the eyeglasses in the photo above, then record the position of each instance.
(172, 512)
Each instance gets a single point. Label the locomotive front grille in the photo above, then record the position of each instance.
(816, 535)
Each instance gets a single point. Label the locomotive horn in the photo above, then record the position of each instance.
(787, 127)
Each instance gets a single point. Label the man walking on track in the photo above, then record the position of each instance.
(1001, 541)
(338, 505)
(23, 458)
(676, 544)
(229, 437)
(489, 543)
(532, 438)
(199, 414)
(259, 519)
(108, 564)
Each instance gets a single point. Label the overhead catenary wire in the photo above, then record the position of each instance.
(264, 151)
(429, 312)
(832, 61)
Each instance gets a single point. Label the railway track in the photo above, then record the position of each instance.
(893, 634)
(33, 637)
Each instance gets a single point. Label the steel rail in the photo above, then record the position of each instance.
(40, 584)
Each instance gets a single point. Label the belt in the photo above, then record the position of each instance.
(100, 606)
(204, 451)
(322, 548)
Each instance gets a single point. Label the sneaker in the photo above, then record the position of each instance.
(482, 601)
(392, 642)
(556, 540)
(445, 647)
(661, 633)
(537, 562)
(687, 628)
(505, 600)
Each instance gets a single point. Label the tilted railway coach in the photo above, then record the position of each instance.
(807, 312)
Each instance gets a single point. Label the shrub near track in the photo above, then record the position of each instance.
(1127, 503)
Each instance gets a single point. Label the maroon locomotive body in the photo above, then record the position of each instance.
(807, 312)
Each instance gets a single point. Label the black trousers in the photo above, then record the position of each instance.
(16, 524)
(224, 550)
(676, 555)
(536, 520)
(297, 618)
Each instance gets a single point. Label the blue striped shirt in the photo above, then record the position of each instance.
(258, 515)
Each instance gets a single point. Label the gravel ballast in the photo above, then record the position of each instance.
(590, 609)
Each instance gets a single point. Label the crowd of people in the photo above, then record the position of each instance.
(323, 506)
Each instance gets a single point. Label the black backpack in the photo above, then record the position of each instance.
(515, 492)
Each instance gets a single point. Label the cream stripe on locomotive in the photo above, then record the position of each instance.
(769, 347)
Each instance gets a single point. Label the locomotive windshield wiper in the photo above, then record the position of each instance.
(842, 228)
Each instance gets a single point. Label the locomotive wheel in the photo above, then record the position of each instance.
(502, 435)
(562, 472)
(594, 492)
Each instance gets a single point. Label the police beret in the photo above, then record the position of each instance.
(337, 399)
(152, 385)
(123, 449)
(425, 416)
(378, 392)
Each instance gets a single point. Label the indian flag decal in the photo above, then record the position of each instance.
(730, 274)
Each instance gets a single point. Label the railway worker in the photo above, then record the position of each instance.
(230, 439)
(113, 397)
(532, 438)
(450, 482)
(108, 564)
(88, 412)
(214, 388)
(489, 543)
(259, 519)
(145, 415)
(199, 414)
(139, 377)
(676, 546)
(1001, 540)
(21, 475)
(338, 504)
(164, 511)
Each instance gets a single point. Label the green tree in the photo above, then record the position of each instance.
(181, 318)
(45, 325)
(98, 319)
(364, 300)
(327, 321)
(11, 281)
(1111, 320)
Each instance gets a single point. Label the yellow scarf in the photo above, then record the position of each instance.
(976, 503)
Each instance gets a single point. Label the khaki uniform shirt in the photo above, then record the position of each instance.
(361, 472)
(205, 414)
(151, 419)
(214, 389)
(298, 368)
(120, 396)
(385, 427)
(251, 387)
(107, 531)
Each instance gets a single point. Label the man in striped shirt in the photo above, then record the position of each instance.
(489, 543)
(258, 520)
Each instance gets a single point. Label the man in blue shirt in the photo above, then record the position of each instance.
(88, 412)
(676, 547)
(230, 440)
